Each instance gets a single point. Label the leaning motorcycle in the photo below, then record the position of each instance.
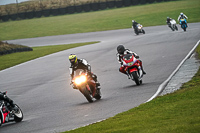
(132, 68)
(183, 24)
(9, 115)
(139, 29)
(86, 85)
(172, 25)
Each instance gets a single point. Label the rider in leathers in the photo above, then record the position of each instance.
(121, 52)
(81, 64)
(168, 21)
(182, 16)
(7, 99)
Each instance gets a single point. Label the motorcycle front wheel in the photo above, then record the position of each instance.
(87, 95)
(136, 77)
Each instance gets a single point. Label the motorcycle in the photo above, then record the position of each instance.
(172, 25)
(86, 85)
(9, 115)
(132, 68)
(183, 24)
(139, 29)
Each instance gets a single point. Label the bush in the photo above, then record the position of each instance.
(6, 48)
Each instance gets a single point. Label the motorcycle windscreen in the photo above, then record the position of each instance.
(78, 72)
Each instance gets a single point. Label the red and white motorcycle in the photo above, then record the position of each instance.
(8, 115)
(132, 68)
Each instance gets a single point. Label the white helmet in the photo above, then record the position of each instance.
(133, 21)
(181, 13)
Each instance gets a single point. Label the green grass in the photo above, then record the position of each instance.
(10, 60)
(178, 112)
(119, 18)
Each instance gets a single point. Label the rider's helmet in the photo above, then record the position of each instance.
(168, 18)
(133, 20)
(181, 14)
(120, 49)
(73, 59)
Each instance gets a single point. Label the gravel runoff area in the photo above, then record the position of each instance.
(184, 74)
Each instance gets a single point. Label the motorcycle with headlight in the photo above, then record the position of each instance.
(132, 68)
(139, 29)
(86, 85)
(9, 115)
(183, 24)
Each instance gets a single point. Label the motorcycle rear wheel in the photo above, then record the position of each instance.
(0, 121)
(18, 115)
(98, 95)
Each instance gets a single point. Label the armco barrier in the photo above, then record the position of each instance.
(77, 9)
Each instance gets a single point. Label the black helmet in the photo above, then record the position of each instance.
(168, 18)
(120, 49)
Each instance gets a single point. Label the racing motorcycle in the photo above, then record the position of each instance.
(172, 25)
(132, 68)
(183, 24)
(139, 29)
(86, 85)
(9, 115)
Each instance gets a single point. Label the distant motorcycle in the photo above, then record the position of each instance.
(183, 24)
(8, 115)
(86, 85)
(133, 68)
(139, 29)
(172, 25)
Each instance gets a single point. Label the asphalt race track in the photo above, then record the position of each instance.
(41, 86)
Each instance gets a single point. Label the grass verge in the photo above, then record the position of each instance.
(10, 60)
(119, 18)
(175, 113)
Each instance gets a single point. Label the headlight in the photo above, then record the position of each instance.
(139, 27)
(80, 80)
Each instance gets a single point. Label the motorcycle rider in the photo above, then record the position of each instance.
(182, 16)
(7, 99)
(81, 64)
(168, 21)
(134, 24)
(121, 52)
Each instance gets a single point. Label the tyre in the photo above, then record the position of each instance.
(18, 114)
(0, 121)
(87, 95)
(136, 77)
(98, 95)
(176, 27)
(136, 32)
(184, 29)
(143, 31)
(172, 28)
